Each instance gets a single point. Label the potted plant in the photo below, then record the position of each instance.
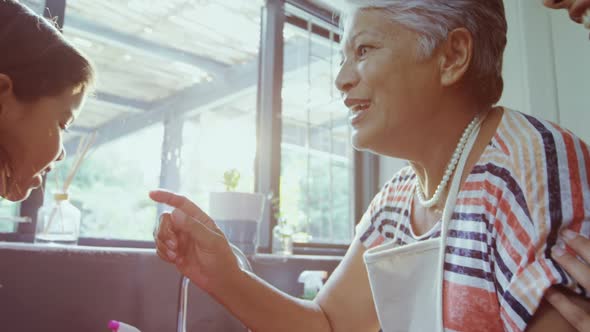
(237, 213)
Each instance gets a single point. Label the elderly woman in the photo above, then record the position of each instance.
(461, 239)
(43, 81)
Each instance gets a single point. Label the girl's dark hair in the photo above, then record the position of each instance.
(36, 57)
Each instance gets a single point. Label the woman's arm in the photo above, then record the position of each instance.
(346, 299)
(189, 239)
(573, 308)
(549, 317)
(345, 303)
(261, 307)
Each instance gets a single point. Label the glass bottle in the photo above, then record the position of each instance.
(58, 221)
(282, 238)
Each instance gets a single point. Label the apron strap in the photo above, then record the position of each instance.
(448, 213)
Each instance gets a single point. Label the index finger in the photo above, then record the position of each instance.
(572, 312)
(578, 243)
(180, 202)
(579, 8)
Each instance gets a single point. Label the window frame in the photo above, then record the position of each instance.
(366, 165)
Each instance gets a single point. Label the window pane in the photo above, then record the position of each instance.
(111, 187)
(215, 141)
(316, 162)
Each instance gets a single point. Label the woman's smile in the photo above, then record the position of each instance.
(358, 108)
(358, 115)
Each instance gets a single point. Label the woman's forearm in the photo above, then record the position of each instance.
(261, 307)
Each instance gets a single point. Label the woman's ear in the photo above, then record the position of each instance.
(455, 56)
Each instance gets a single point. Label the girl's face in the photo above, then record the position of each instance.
(31, 136)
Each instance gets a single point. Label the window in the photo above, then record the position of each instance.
(176, 105)
(217, 140)
(316, 185)
(111, 186)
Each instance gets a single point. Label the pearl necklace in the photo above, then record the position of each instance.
(450, 168)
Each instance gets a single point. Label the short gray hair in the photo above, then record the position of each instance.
(434, 19)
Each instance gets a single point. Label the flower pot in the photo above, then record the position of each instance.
(238, 214)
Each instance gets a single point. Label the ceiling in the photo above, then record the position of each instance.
(182, 56)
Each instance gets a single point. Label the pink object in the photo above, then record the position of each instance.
(114, 325)
(117, 326)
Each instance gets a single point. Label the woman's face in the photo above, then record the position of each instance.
(31, 135)
(388, 88)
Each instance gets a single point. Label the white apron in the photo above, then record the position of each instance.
(406, 282)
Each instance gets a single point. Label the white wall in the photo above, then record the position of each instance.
(572, 59)
(553, 80)
(546, 70)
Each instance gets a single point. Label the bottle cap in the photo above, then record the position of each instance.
(114, 325)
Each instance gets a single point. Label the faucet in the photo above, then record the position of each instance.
(243, 263)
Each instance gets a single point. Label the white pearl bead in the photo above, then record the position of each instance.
(449, 170)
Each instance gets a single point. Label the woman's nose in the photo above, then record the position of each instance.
(346, 79)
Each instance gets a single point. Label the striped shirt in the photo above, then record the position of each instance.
(531, 181)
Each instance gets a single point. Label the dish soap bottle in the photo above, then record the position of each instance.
(312, 283)
(58, 221)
